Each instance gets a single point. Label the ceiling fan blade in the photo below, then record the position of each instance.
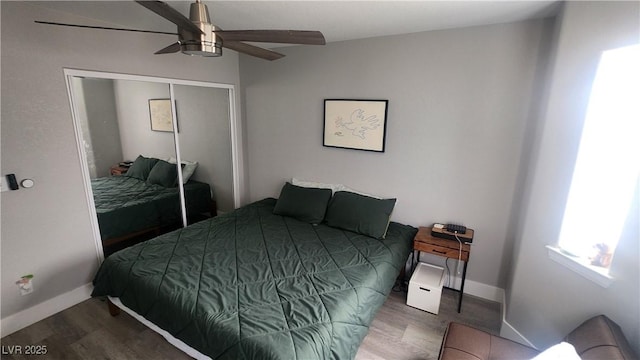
(274, 36)
(252, 50)
(173, 48)
(171, 14)
(103, 27)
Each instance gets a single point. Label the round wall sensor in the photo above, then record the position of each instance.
(27, 183)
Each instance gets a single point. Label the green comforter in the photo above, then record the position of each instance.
(251, 284)
(125, 204)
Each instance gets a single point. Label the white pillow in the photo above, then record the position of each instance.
(187, 170)
(319, 185)
(333, 187)
(562, 351)
(345, 188)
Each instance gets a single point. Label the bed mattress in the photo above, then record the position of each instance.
(251, 284)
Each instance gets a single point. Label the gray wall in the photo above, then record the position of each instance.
(459, 102)
(98, 121)
(45, 230)
(544, 299)
(132, 101)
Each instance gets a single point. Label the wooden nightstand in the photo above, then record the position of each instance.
(118, 170)
(425, 242)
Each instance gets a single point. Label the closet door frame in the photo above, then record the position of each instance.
(70, 74)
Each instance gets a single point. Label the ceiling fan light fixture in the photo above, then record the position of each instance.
(206, 49)
(206, 43)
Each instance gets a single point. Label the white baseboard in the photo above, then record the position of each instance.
(509, 332)
(26, 317)
(484, 291)
(453, 279)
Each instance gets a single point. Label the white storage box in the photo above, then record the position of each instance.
(425, 287)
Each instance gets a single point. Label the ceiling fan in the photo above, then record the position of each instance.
(198, 36)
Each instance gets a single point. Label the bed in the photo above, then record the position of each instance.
(258, 283)
(146, 198)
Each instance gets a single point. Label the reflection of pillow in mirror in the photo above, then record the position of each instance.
(188, 168)
(163, 174)
(141, 168)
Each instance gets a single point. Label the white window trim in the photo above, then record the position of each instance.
(596, 274)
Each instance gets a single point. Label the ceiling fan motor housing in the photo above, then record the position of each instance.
(207, 43)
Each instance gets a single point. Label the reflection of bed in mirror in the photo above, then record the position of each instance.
(146, 199)
(114, 122)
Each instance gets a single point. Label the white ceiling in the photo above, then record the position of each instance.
(337, 20)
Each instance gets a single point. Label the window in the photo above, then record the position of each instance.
(608, 163)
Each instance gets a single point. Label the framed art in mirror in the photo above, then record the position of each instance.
(355, 124)
(160, 115)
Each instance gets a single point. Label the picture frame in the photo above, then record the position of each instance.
(355, 124)
(160, 115)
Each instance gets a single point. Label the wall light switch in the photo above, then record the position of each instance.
(4, 184)
(9, 182)
(13, 183)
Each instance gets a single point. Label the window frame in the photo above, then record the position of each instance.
(580, 263)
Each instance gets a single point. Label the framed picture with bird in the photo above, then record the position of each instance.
(355, 124)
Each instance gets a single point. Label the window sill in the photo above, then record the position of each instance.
(593, 273)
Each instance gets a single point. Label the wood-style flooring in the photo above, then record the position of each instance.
(87, 331)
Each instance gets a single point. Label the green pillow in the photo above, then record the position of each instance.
(359, 213)
(305, 204)
(163, 174)
(141, 168)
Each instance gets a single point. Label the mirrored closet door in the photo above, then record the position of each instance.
(206, 111)
(157, 153)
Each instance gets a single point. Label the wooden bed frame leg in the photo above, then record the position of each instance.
(113, 310)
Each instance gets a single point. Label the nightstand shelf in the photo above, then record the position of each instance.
(118, 170)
